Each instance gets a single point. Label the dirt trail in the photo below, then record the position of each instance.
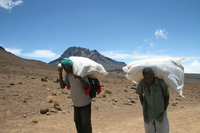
(182, 120)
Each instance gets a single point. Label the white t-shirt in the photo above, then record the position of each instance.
(79, 99)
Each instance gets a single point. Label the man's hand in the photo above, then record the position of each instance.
(60, 69)
(166, 102)
(141, 97)
(84, 84)
(77, 76)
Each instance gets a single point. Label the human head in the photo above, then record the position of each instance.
(66, 63)
(148, 75)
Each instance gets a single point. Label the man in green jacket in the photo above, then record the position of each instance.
(154, 97)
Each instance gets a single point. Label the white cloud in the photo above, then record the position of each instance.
(14, 51)
(48, 54)
(191, 67)
(194, 67)
(161, 34)
(9, 4)
(152, 45)
(41, 54)
(135, 56)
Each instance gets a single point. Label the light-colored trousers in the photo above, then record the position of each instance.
(156, 127)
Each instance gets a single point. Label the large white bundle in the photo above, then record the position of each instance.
(87, 67)
(168, 69)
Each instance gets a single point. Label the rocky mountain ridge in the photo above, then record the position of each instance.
(108, 63)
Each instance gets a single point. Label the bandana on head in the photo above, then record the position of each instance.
(66, 62)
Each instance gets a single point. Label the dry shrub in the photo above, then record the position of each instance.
(56, 103)
(35, 121)
(108, 92)
(54, 100)
(50, 99)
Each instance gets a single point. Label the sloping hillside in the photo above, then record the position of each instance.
(9, 63)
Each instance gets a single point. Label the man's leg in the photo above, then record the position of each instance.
(77, 119)
(163, 127)
(150, 127)
(86, 118)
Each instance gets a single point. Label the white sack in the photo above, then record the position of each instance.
(168, 69)
(83, 66)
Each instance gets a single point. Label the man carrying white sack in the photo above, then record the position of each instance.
(154, 97)
(81, 102)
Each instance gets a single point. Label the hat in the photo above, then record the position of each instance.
(66, 62)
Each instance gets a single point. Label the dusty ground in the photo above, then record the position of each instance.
(23, 94)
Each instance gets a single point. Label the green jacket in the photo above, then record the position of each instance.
(153, 102)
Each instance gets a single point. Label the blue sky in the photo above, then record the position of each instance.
(124, 30)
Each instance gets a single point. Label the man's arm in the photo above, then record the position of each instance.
(84, 84)
(62, 84)
(166, 102)
(141, 98)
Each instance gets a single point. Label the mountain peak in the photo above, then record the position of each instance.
(108, 63)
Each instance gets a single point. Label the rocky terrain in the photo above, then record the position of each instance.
(27, 86)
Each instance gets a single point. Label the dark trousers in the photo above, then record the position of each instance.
(82, 119)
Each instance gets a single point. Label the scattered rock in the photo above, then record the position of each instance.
(48, 113)
(44, 110)
(125, 90)
(54, 110)
(133, 87)
(104, 95)
(64, 91)
(48, 89)
(132, 101)
(44, 79)
(58, 108)
(114, 100)
(174, 104)
(64, 112)
(12, 83)
(127, 103)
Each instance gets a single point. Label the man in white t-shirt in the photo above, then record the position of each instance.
(81, 102)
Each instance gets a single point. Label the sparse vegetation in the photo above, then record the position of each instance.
(54, 100)
(35, 121)
(108, 92)
(22, 102)
(50, 99)
(56, 103)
